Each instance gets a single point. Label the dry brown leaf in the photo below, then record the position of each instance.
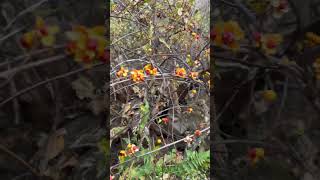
(97, 105)
(84, 88)
(55, 144)
(71, 162)
(126, 108)
(138, 91)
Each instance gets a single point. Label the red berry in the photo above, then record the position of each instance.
(257, 36)
(252, 153)
(213, 35)
(24, 43)
(197, 133)
(148, 71)
(105, 56)
(282, 5)
(71, 46)
(92, 44)
(43, 31)
(165, 120)
(271, 44)
(86, 59)
(228, 38)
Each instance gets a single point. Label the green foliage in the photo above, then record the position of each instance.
(195, 165)
(144, 115)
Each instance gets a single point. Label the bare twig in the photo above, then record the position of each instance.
(7, 73)
(22, 13)
(31, 54)
(12, 33)
(16, 105)
(20, 160)
(47, 81)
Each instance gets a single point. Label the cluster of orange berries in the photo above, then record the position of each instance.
(42, 33)
(227, 34)
(181, 72)
(86, 44)
(130, 150)
(268, 42)
(138, 75)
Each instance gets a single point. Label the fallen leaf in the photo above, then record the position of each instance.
(84, 88)
(97, 105)
(55, 144)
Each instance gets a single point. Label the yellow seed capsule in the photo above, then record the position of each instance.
(260, 152)
(193, 91)
(129, 146)
(158, 142)
(269, 95)
(122, 155)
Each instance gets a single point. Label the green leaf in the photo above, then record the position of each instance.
(165, 43)
(144, 115)
(189, 61)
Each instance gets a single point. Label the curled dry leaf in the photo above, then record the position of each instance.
(84, 88)
(97, 105)
(115, 131)
(55, 144)
(138, 91)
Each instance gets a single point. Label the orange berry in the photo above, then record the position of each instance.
(269, 95)
(194, 75)
(137, 75)
(122, 153)
(181, 72)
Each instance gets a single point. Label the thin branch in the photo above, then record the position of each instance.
(10, 34)
(20, 160)
(31, 54)
(22, 13)
(47, 81)
(7, 73)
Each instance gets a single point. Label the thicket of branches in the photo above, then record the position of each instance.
(159, 89)
(266, 89)
(52, 82)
